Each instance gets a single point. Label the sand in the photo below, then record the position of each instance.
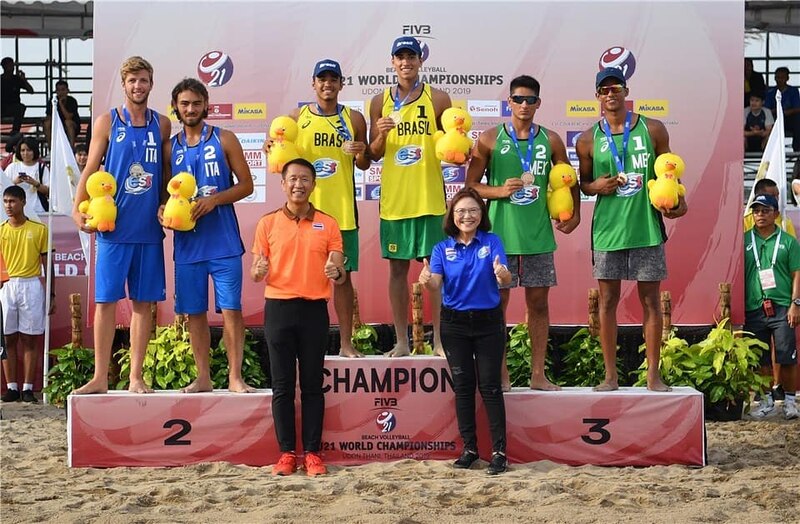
(753, 477)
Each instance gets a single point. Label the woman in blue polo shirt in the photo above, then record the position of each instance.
(468, 266)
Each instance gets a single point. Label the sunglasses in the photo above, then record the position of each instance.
(607, 90)
(530, 99)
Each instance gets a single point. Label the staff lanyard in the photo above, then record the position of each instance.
(774, 251)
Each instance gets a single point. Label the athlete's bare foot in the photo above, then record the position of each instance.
(350, 352)
(237, 385)
(542, 384)
(399, 350)
(655, 384)
(438, 351)
(505, 386)
(93, 386)
(607, 385)
(138, 386)
(201, 386)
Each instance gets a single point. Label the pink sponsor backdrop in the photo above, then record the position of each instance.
(273, 46)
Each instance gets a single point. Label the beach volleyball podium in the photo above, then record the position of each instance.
(379, 409)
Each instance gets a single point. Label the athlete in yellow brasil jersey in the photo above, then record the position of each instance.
(333, 138)
(403, 120)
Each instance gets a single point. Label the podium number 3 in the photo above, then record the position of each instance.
(176, 440)
(598, 427)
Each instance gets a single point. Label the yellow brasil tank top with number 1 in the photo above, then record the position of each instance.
(411, 179)
(321, 143)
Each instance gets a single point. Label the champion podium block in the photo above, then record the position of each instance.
(380, 409)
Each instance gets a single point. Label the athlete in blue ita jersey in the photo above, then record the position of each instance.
(132, 142)
(214, 248)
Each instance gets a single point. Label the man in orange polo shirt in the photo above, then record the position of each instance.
(298, 250)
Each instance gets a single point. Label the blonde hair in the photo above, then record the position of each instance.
(135, 64)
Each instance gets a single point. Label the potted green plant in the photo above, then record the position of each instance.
(583, 361)
(365, 339)
(251, 367)
(724, 367)
(518, 357)
(168, 362)
(74, 367)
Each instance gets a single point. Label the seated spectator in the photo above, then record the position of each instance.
(10, 85)
(81, 156)
(753, 81)
(790, 102)
(758, 122)
(32, 176)
(67, 111)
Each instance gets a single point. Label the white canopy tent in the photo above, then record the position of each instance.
(49, 19)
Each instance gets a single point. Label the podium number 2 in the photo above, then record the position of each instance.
(175, 440)
(598, 427)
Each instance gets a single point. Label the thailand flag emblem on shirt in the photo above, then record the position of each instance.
(318, 226)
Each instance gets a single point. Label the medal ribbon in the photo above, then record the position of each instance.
(400, 103)
(138, 136)
(194, 167)
(526, 162)
(343, 131)
(626, 134)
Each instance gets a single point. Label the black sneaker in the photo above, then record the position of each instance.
(778, 393)
(466, 460)
(11, 395)
(28, 396)
(498, 464)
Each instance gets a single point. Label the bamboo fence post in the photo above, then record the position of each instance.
(594, 307)
(417, 332)
(75, 312)
(153, 319)
(666, 315)
(725, 300)
(356, 312)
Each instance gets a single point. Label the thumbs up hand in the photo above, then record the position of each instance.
(332, 271)
(501, 272)
(425, 274)
(260, 268)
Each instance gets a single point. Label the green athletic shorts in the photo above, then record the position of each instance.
(411, 238)
(350, 241)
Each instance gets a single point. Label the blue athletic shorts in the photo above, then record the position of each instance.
(191, 285)
(141, 266)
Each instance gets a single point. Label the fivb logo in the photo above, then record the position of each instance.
(421, 32)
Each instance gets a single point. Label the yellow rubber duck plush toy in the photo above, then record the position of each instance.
(559, 197)
(100, 207)
(453, 145)
(178, 211)
(665, 189)
(283, 132)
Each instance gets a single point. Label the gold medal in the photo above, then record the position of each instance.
(396, 117)
(527, 178)
(622, 179)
